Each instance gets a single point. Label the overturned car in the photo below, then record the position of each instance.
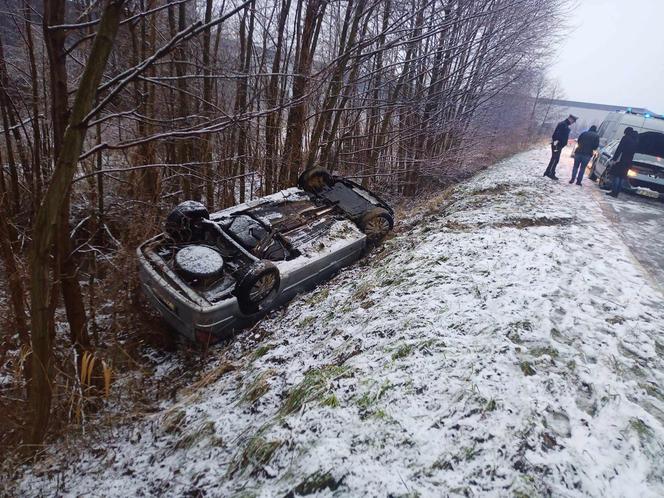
(211, 274)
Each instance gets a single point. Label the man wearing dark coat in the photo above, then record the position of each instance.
(558, 141)
(623, 157)
(588, 142)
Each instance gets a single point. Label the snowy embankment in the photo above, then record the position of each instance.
(506, 343)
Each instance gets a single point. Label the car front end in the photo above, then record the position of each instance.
(646, 179)
(646, 174)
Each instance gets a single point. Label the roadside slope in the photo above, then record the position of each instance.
(480, 351)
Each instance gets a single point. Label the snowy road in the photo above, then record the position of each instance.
(482, 352)
(640, 222)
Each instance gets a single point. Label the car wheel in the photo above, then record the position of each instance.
(604, 181)
(257, 287)
(376, 224)
(184, 223)
(314, 179)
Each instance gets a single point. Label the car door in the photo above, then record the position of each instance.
(605, 156)
(323, 256)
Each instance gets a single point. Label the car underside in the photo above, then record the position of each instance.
(208, 274)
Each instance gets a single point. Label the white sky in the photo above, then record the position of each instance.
(615, 54)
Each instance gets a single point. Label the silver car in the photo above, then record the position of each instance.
(209, 275)
(646, 174)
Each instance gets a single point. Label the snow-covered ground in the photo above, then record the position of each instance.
(481, 352)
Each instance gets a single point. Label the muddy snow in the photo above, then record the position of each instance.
(506, 343)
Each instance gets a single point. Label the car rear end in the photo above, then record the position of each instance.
(181, 307)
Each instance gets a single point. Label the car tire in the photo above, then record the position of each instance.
(257, 287)
(184, 223)
(376, 224)
(199, 262)
(604, 181)
(314, 179)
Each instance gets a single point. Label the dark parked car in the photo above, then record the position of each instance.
(211, 274)
(646, 176)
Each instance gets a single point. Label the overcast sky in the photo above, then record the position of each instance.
(615, 54)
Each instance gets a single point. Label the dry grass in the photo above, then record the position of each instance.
(490, 191)
(209, 378)
(543, 221)
(519, 223)
(258, 387)
(256, 453)
(196, 434)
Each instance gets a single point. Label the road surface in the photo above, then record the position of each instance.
(639, 221)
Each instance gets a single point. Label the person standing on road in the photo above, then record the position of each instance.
(588, 143)
(623, 157)
(558, 141)
(608, 172)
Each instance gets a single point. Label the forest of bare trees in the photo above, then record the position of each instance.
(115, 111)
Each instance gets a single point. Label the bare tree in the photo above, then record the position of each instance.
(224, 102)
(49, 216)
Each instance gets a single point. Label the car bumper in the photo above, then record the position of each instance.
(198, 323)
(647, 182)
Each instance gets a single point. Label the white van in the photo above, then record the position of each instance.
(613, 126)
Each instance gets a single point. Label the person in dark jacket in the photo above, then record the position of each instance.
(558, 141)
(588, 142)
(608, 172)
(623, 157)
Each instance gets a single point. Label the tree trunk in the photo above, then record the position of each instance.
(54, 13)
(8, 238)
(272, 119)
(47, 222)
(246, 47)
(6, 125)
(347, 42)
(207, 97)
(292, 155)
(34, 85)
(148, 178)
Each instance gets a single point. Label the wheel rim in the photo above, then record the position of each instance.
(262, 288)
(377, 227)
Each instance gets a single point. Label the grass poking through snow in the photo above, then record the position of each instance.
(317, 383)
